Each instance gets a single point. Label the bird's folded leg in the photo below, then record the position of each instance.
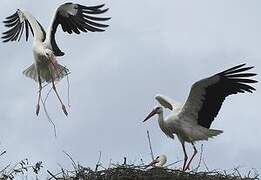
(194, 154)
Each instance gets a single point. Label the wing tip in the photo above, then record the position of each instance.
(236, 69)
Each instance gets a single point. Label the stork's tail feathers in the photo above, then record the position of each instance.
(59, 72)
(213, 132)
(47, 73)
(31, 72)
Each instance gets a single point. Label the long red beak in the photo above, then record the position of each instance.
(153, 112)
(151, 164)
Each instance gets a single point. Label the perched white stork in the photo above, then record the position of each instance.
(159, 161)
(72, 18)
(191, 121)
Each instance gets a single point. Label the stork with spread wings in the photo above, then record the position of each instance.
(191, 121)
(73, 18)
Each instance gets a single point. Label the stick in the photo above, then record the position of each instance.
(68, 90)
(52, 174)
(124, 161)
(200, 159)
(172, 163)
(205, 165)
(98, 162)
(48, 117)
(2, 153)
(74, 164)
(151, 152)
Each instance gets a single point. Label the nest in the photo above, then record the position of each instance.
(128, 172)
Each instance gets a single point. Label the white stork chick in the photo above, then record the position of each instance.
(73, 18)
(191, 121)
(159, 161)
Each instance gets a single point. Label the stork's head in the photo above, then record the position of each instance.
(159, 161)
(48, 53)
(156, 110)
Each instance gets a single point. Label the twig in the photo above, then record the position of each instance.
(48, 93)
(124, 161)
(68, 89)
(205, 164)
(52, 175)
(200, 158)
(151, 152)
(109, 165)
(48, 117)
(45, 109)
(255, 171)
(98, 162)
(2, 153)
(3, 170)
(20, 167)
(173, 163)
(236, 170)
(142, 163)
(74, 164)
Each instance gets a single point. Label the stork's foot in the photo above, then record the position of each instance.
(184, 168)
(37, 109)
(187, 168)
(64, 110)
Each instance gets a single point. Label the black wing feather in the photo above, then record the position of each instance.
(11, 34)
(26, 31)
(231, 81)
(97, 7)
(12, 16)
(95, 18)
(82, 21)
(16, 28)
(11, 23)
(21, 31)
(17, 32)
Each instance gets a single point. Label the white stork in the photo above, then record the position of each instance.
(191, 122)
(158, 162)
(73, 18)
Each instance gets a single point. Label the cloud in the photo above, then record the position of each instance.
(150, 47)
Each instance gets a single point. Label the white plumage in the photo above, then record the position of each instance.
(159, 161)
(191, 121)
(73, 18)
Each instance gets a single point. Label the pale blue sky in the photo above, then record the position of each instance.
(150, 47)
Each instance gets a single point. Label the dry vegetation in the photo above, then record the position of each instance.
(123, 171)
(118, 172)
(21, 168)
(130, 172)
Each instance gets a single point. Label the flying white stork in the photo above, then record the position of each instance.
(158, 162)
(73, 18)
(191, 122)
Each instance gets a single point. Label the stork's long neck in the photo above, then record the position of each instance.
(164, 126)
(161, 121)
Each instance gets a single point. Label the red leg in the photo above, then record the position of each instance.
(54, 88)
(39, 95)
(185, 156)
(63, 106)
(194, 154)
